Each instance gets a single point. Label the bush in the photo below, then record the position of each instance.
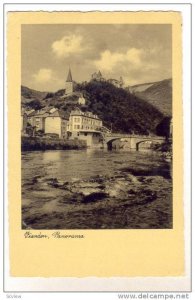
(37, 144)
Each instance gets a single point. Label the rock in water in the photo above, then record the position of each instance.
(94, 197)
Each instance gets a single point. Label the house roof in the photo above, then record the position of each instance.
(31, 113)
(46, 112)
(78, 112)
(58, 113)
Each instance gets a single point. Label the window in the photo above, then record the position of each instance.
(77, 120)
(85, 133)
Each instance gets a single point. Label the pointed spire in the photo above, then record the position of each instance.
(69, 77)
(99, 74)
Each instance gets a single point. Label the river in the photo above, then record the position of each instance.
(96, 189)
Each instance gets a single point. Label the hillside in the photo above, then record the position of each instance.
(119, 109)
(159, 94)
(28, 95)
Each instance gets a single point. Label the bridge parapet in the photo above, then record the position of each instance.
(121, 135)
(134, 140)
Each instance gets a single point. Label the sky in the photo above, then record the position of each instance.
(138, 53)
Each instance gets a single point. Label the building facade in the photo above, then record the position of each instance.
(47, 120)
(37, 119)
(24, 121)
(85, 126)
(81, 100)
(56, 122)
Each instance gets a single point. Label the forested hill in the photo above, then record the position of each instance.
(30, 94)
(118, 108)
(125, 111)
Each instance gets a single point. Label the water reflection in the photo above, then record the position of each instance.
(51, 155)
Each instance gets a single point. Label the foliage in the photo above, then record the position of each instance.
(37, 143)
(60, 92)
(165, 147)
(118, 109)
(49, 95)
(121, 110)
(35, 104)
(163, 128)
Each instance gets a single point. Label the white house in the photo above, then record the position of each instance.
(85, 126)
(56, 122)
(81, 100)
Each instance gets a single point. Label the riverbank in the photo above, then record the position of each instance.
(38, 144)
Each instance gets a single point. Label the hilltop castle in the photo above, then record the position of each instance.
(97, 76)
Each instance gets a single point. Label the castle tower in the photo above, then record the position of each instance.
(69, 84)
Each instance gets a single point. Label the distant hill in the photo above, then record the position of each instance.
(159, 94)
(28, 94)
(119, 109)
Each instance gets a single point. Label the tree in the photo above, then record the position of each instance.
(49, 95)
(35, 104)
(163, 128)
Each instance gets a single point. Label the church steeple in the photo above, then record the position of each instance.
(69, 77)
(69, 84)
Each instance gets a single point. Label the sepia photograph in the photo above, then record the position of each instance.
(97, 140)
(96, 126)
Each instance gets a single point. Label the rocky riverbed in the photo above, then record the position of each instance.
(131, 197)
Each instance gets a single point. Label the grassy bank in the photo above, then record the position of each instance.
(37, 144)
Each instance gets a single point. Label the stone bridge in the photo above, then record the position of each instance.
(134, 140)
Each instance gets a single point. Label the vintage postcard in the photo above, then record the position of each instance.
(95, 144)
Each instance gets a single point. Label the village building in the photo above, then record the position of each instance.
(37, 119)
(30, 117)
(56, 123)
(85, 126)
(24, 121)
(81, 100)
(47, 120)
(80, 125)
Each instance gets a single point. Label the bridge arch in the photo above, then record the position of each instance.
(109, 143)
(135, 140)
(144, 141)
